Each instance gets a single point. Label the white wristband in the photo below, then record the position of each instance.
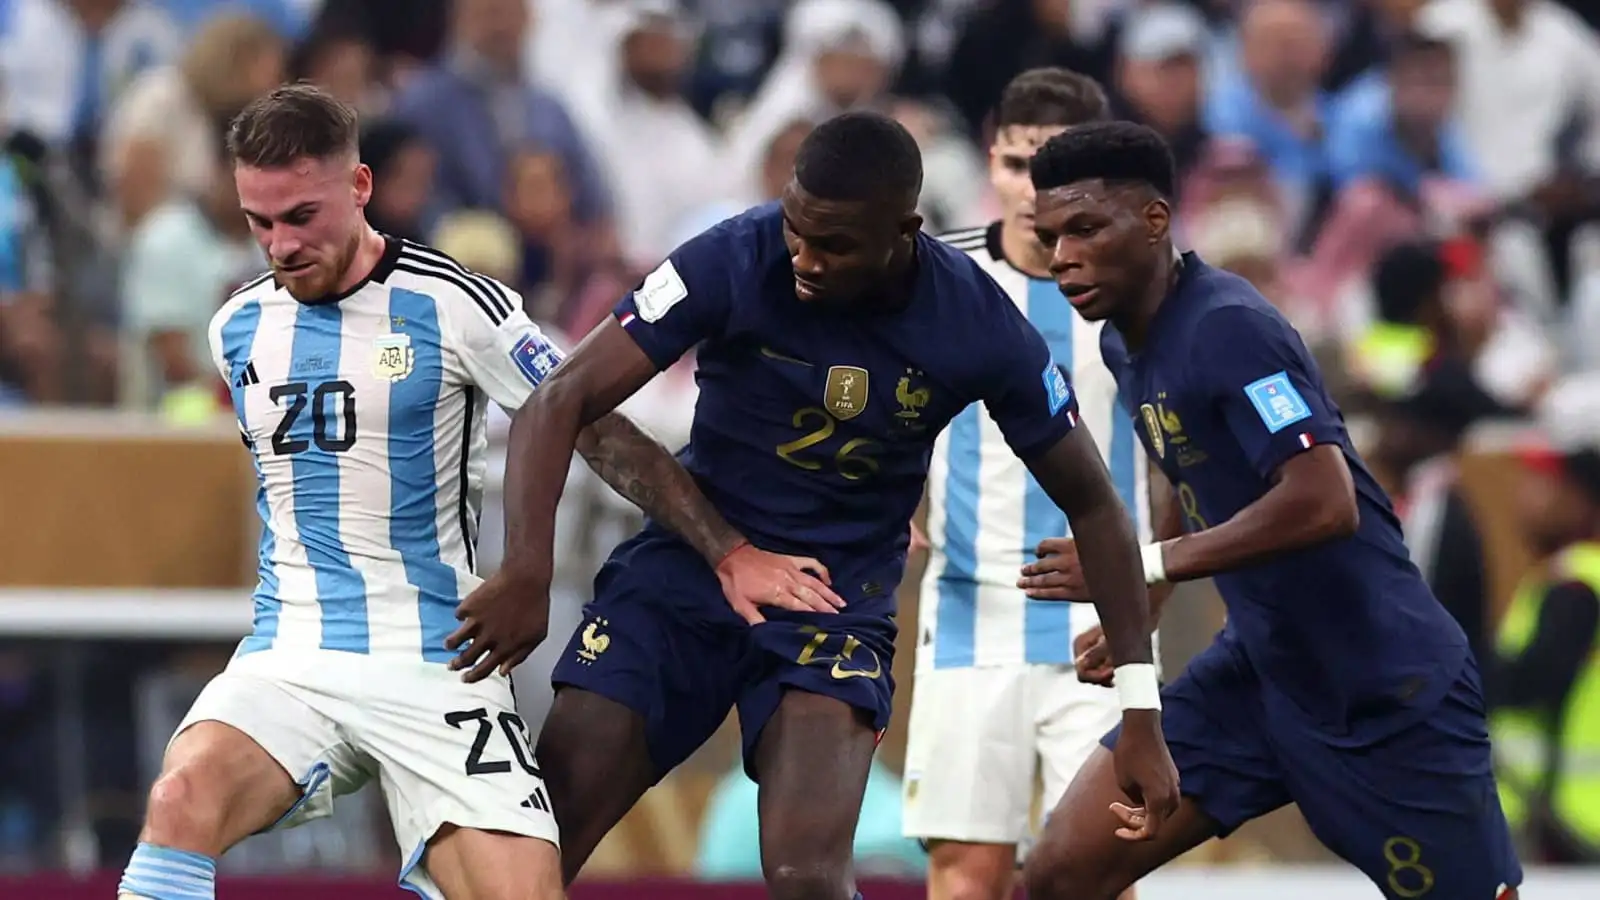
(1137, 686)
(1155, 563)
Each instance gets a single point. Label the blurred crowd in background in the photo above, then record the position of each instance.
(1415, 183)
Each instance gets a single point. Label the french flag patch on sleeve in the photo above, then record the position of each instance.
(1305, 439)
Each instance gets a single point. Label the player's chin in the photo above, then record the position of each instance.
(1096, 307)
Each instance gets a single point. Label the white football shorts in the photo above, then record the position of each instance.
(443, 751)
(986, 743)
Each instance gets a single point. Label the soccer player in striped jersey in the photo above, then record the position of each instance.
(360, 369)
(997, 702)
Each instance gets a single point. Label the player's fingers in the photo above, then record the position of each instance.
(811, 566)
(819, 595)
(515, 659)
(807, 600)
(463, 635)
(748, 611)
(1061, 594)
(485, 667)
(470, 655)
(1056, 546)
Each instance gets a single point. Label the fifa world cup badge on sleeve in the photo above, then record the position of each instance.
(1056, 387)
(393, 358)
(662, 290)
(535, 358)
(1277, 402)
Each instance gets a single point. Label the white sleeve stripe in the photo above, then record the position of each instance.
(479, 296)
(417, 253)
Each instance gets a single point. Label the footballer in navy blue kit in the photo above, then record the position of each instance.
(835, 341)
(1338, 683)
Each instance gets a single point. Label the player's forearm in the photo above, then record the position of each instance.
(544, 433)
(1166, 512)
(1293, 515)
(1108, 550)
(641, 470)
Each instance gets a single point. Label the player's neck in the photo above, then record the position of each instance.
(1024, 252)
(1134, 326)
(366, 259)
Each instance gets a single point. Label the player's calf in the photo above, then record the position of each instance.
(217, 787)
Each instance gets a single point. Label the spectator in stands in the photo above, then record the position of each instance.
(837, 55)
(30, 342)
(182, 262)
(1365, 45)
(287, 17)
(1158, 77)
(637, 102)
(403, 167)
(63, 62)
(1276, 103)
(478, 111)
(1415, 454)
(1001, 39)
(160, 141)
(342, 61)
(1393, 132)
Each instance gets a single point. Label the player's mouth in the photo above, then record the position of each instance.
(807, 289)
(294, 270)
(1080, 295)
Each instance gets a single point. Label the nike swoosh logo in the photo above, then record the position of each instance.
(770, 353)
(840, 673)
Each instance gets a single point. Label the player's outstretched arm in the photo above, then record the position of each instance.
(1312, 500)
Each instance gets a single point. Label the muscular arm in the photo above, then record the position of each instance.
(641, 470)
(1075, 477)
(1312, 501)
(570, 412)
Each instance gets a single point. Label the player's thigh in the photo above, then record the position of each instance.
(471, 864)
(1228, 774)
(254, 751)
(451, 755)
(1069, 719)
(969, 773)
(1419, 812)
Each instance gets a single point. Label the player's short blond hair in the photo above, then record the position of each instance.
(291, 123)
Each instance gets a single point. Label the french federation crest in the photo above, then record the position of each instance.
(846, 393)
(393, 358)
(1152, 425)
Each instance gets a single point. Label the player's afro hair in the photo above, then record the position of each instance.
(859, 156)
(1107, 151)
(1051, 96)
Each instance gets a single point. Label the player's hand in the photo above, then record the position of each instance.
(1056, 574)
(1092, 657)
(1146, 774)
(501, 623)
(752, 577)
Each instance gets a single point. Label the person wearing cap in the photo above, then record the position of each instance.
(1544, 693)
(1158, 76)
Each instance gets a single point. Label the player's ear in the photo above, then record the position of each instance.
(910, 225)
(362, 184)
(1157, 219)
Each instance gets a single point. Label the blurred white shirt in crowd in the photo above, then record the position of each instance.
(45, 56)
(1519, 89)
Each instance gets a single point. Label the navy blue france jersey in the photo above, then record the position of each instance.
(814, 426)
(1345, 636)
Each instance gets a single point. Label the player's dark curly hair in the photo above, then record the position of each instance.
(1108, 151)
(1051, 96)
(859, 156)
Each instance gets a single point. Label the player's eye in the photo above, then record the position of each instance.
(299, 217)
(1016, 164)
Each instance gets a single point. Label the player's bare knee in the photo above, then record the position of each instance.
(961, 871)
(816, 880)
(185, 812)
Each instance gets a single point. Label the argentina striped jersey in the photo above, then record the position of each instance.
(364, 415)
(986, 513)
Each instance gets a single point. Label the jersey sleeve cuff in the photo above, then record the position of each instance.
(1061, 425)
(660, 356)
(1294, 440)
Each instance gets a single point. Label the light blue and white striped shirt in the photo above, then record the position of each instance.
(365, 419)
(986, 514)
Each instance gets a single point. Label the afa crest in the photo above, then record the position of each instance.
(394, 357)
(846, 393)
